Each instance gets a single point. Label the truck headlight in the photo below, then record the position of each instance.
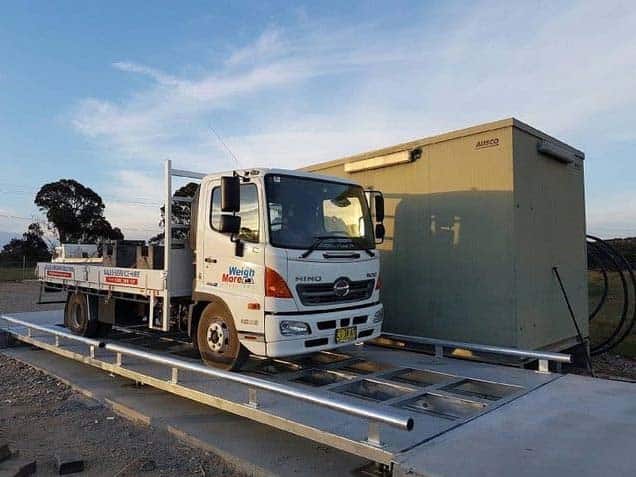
(294, 328)
(379, 316)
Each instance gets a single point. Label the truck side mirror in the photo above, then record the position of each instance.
(379, 207)
(379, 232)
(230, 224)
(230, 194)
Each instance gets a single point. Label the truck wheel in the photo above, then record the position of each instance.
(217, 339)
(77, 317)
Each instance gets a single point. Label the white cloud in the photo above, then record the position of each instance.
(132, 202)
(155, 74)
(137, 222)
(304, 95)
(130, 185)
(268, 44)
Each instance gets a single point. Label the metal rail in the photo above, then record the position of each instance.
(375, 416)
(543, 356)
(394, 419)
(46, 329)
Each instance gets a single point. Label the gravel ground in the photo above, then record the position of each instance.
(612, 366)
(41, 416)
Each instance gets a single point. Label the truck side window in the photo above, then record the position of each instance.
(249, 212)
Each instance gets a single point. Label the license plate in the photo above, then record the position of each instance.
(344, 335)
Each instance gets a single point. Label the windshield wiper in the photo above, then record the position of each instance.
(359, 241)
(319, 239)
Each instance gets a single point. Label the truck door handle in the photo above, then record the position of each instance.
(210, 260)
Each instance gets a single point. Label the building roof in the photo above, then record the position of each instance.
(480, 128)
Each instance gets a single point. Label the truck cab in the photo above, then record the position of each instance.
(284, 264)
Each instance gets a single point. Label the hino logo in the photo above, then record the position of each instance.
(316, 278)
(341, 287)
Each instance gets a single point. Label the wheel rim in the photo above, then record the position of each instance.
(76, 315)
(218, 337)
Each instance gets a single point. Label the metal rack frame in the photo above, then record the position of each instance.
(169, 173)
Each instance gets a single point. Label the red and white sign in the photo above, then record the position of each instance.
(121, 280)
(59, 274)
(121, 276)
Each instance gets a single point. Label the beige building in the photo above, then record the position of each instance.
(475, 221)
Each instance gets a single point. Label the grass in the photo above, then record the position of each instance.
(12, 274)
(607, 319)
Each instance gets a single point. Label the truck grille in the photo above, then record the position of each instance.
(324, 293)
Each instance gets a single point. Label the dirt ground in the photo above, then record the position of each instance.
(41, 416)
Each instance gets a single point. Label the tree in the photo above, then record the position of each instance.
(76, 212)
(181, 213)
(31, 247)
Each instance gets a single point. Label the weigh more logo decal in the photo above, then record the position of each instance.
(239, 275)
(118, 276)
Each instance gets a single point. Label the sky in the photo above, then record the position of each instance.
(104, 92)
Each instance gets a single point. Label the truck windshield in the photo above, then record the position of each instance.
(302, 210)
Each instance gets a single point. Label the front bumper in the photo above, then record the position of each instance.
(323, 330)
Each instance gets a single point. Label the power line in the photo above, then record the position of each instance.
(112, 199)
(41, 220)
(18, 217)
(27, 190)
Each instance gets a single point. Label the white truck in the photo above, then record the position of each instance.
(276, 263)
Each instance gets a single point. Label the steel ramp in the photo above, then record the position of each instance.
(438, 393)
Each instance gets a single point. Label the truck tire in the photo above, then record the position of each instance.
(77, 317)
(217, 339)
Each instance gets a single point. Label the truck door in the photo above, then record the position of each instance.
(238, 280)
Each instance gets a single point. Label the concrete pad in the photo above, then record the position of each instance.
(254, 448)
(573, 426)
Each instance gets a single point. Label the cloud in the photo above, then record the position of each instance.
(615, 217)
(316, 91)
(132, 202)
(267, 45)
(155, 74)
